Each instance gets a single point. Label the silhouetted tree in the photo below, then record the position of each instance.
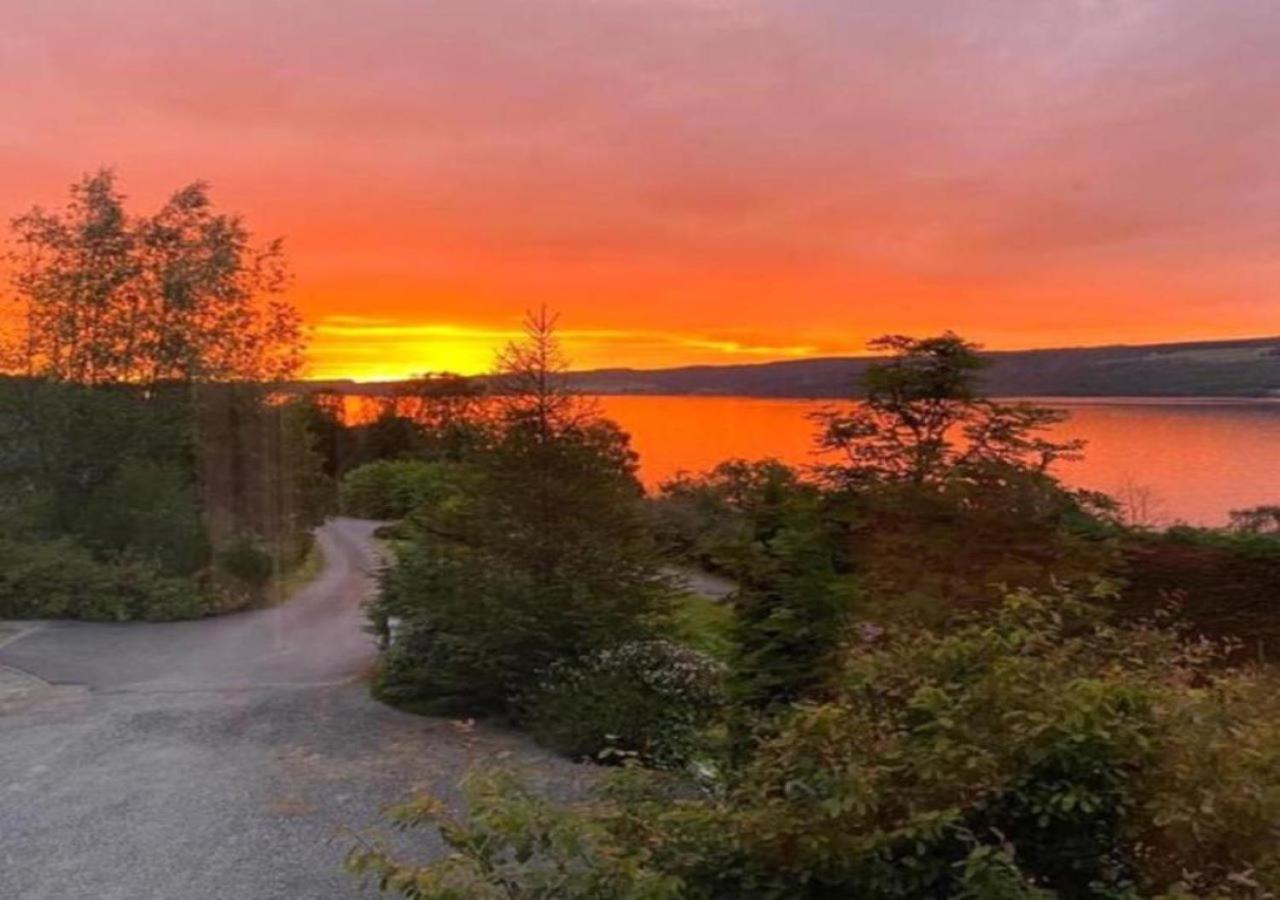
(450, 411)
(949, 492)
(180, 295)
(544, 555)
(924, 417)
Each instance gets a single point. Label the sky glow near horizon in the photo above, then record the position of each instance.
(688, 181)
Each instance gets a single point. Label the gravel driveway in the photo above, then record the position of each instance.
(220, 758)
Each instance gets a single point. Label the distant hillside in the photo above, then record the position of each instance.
(1241, 368)
(1235, 368)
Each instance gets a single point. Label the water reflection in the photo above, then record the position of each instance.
(1179, 460)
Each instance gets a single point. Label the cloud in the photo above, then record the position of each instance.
(811, 172)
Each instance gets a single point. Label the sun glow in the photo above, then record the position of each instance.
(367, 348)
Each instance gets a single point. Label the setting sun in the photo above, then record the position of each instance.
(688, 182)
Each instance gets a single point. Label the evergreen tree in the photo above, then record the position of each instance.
(545, 557)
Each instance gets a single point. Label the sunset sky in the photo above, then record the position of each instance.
(688, 181)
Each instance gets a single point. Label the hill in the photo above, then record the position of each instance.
(1240, 368)
(1229, 368)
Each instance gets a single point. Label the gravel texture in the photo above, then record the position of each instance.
(223, 758)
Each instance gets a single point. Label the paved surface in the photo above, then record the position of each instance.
(221, 758)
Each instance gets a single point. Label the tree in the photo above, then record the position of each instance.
(543, 556)
(449, 411)
(181, 295)
(1257, 519)
(142, 414)
(948, 492)
(772, 532)
(924, 418)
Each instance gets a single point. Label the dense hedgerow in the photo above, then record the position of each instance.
(645, 699)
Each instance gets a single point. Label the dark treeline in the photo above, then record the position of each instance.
(148, 466)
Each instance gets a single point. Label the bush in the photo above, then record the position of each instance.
(647, 699)
(1219, 584)
(247, 562)
(469, 637)
(543, 557)
(393, 488)
(1031, 751)
(149, 509)
(501, 851)
(61, 579)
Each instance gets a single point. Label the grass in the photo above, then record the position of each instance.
(705, 625)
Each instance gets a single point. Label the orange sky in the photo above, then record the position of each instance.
(688, 180)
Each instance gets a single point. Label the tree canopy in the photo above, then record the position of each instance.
(183, 294)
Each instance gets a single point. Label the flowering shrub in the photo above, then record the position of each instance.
(649, 699)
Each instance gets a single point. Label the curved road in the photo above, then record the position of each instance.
(221, 758)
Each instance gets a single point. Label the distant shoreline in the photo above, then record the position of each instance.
(1245, 369)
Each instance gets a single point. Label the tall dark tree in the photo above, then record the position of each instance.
(545, 556)
(924, 417)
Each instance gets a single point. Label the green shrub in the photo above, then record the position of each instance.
(705, 624)
(469, 638)
(148, 509)
(61, 579)
(514, 844)
(247, 561)
(645, 699)
(1030, 751)
(392, 488)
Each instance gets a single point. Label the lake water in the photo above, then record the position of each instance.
(1177, 460)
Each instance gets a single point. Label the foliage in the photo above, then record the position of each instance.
(245, 560)
(649, 700)
(1219, 584)
(257, 469)
(542, 555)
(791, 608)
(926, 552)
(704, 624)
(900, 724)
(923, 418)
(1257, 519)
(719, 518)
(437, 417)
(391, 489)
(450, 413)
(1031, 751)
(141, 423)
(512, 845)
(181, 295)
(946, 493)
(148, 508)
(776, 535)
(61, 579)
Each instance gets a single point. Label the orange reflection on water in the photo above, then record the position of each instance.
(1192, 461)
